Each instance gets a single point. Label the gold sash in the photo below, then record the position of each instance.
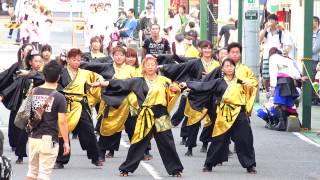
(193, 115)
(229, 108)
(144, 124)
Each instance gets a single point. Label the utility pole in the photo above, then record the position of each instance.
(307, 54)
(251, 37)
(142, 5)
(240, 16)
(203, 19)
(139, 6)
(136, 8)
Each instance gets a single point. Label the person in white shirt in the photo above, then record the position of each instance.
(315, 43)
(89, 22)
(102, 26)
(270, 36)
(283, 73)
(180, 21)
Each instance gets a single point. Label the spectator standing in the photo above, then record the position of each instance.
(46, 52)
(130, 26)
(89, 22)
(180, 20)
(315, 43)
(12, 18)
(110, 13)
(194, 22)
(225, 32)
(144, 12)
(156, 44)
(122, 20)
(43, 141)
(145, 25)
(288, 42)
(45, 23)
(169, 26)
(101, 27)
(190, 50)
(315, 52)
(271, 36)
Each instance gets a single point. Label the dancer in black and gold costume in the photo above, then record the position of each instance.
(111, 120)
(156, 96)
(191, 70)
(237, 94)
(80, 98)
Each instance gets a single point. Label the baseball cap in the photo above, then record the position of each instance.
(190, 35)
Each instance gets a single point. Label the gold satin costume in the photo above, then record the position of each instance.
(159, 94)
(75, 93)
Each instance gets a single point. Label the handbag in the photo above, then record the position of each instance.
(24, 111)
(36, 115)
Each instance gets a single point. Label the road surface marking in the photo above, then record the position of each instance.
(304, 138)
(147, 166)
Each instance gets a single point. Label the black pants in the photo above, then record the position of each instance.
(13, 131)
(61, 159)
(184, 131)
(167, 150)
(129, 128)
(206, 134)
(193, 131)
(110, 143)
(21, 146)
(10, 32)
(130, 125)
(87, 138)
(241, 134)
(178, 116)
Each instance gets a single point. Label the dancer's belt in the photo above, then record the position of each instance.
(144, 124)
(146, 120)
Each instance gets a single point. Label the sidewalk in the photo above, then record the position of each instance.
(315, 119)
(315, 124)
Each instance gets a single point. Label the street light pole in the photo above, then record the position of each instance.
(307, 54)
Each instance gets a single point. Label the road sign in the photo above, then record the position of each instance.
(251, 1)
(251, 15)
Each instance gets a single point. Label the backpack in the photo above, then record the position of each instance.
(279, 33)
(5, 168)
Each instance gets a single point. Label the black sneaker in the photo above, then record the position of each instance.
(110, 154)
(252, 170)
(58, 166)
(19, 160)
(176, 174)
(147, 157)
(98, 163)
(206, 169)
(74, 136)
(203, 149)
(183, 141)
(124, 173)
(188, 153)
(102, 159)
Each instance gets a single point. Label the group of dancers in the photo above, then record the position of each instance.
(138, 98)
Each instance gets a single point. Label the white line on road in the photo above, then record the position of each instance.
(147, 166)
(304, 138)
